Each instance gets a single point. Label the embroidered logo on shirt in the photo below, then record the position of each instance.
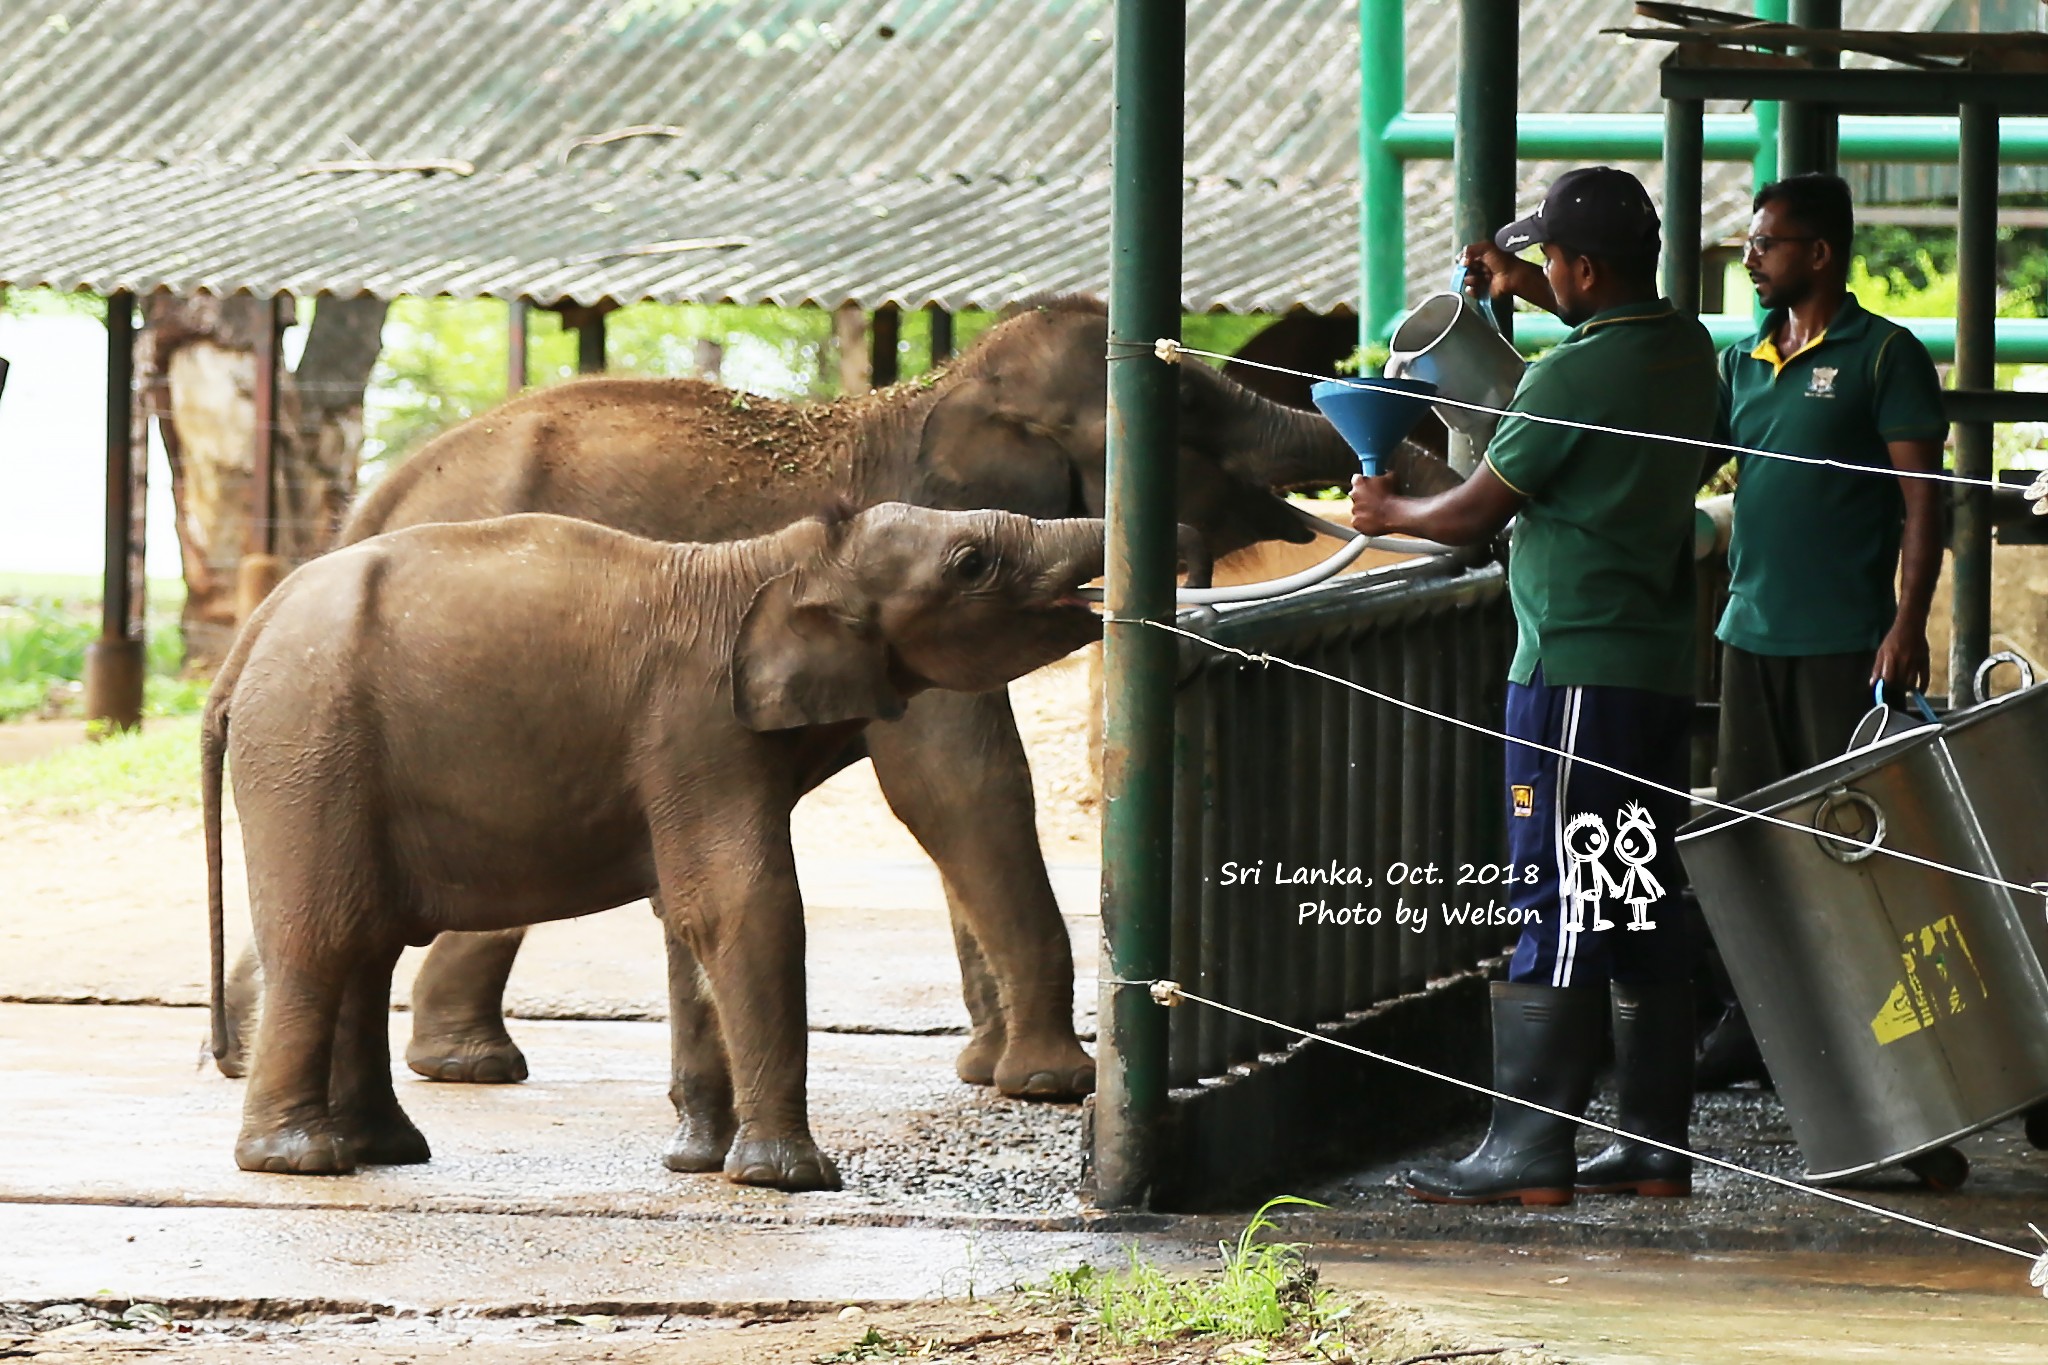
(1822, 385)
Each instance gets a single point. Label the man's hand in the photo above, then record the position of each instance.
(1372, 504)
(1491, 271)
(1901, 661)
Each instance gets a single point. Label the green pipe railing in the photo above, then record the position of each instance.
(1390, 136)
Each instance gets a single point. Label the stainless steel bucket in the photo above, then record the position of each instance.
(2000, 752)
(1899, 1007)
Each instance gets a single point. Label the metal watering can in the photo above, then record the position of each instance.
(1450, 340)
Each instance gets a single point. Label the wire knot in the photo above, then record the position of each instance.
(1166, 992)
(1169, 350)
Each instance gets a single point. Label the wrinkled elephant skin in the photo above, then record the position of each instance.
(483, 725)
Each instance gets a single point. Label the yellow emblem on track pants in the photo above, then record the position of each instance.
(1525, 800)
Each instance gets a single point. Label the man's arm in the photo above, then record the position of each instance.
(1902, 658)
(1469, 514)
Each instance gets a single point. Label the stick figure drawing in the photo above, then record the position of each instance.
(1635, 843)
(1586, 877)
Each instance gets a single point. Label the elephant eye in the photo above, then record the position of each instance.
(971, 565)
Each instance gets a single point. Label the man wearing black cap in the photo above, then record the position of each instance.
(1601, 579)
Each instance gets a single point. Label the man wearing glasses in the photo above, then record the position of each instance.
(1813, 621)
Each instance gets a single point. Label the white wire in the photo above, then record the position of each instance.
(1169, 991)
(2032, 892)
(1169, 346)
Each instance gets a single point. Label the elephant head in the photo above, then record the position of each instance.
(897, 599)
(1022, 420)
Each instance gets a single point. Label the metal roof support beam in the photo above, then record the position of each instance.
(515, 348)
(1684, 172)
(1976, 303)
(1139, 664)
(1489, 47)
(885, 330)
(941, 324)
(1808, 138)
(114, 662)
(590, 342)
(1383, 216)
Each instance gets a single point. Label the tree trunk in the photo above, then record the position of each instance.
(200, 373)
(850, 331)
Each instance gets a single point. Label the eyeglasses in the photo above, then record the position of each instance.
(1761, 245)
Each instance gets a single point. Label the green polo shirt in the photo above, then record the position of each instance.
(1815, 553)
(1601, 576)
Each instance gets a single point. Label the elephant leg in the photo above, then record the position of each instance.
(730, 894)
(954, 771)
(360, 1098)
(700, 1084)
(977, 1062)
(244, 1002)
(286, 1125)
(458, 1010)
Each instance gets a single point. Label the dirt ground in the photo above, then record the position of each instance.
(1005, 1330)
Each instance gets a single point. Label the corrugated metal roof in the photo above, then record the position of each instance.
(871, 150)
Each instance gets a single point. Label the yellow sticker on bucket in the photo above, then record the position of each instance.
(1939, 972)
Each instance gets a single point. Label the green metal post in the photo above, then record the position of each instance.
(1138, 664)
(1383, 216)
(1765, 163)
(1489, 47)
(1683, 169)
(1976, 303)
(1807, 132)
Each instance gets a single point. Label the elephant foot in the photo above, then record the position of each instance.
(791, 1164)
(472, 1058)
(1054, 1070)
(296, 1151)
(699, 1144)
(388, 1140)
(976, 1063)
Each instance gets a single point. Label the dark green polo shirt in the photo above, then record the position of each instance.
(1815, 554)
(1601, 576)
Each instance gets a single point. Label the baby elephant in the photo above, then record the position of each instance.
(487, 724)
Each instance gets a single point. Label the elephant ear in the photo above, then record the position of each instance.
(978, 451)
(806, 656)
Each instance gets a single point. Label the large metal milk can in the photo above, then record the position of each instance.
(1898, 1006)
(2000, 752)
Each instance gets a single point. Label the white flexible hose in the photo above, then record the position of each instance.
(1307, 578)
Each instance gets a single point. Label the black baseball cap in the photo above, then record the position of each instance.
(1593, 211)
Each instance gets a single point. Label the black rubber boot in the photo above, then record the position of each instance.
(1728, 1055)
(1546, 1048)
(1653, 1073)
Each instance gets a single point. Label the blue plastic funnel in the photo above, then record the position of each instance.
(1373, 421)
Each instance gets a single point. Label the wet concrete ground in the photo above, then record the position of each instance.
(117, 1181)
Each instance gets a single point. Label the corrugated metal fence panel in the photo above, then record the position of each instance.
(1276, 769)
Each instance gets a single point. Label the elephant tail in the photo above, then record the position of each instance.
(213, 744)
(213, 750)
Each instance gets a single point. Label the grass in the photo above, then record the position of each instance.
(155, 766)
(46, 623)
(1266, 1292)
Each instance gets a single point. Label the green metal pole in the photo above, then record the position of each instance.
(1683, 170)
(1383, 225)
(1765, 163)
(1976, 303)
(1807, 132)
(1489, 48)
(1138, 664)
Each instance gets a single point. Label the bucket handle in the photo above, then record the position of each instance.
(1830, 840)
(1919, 702)
(1483, 302)
(2004, 656)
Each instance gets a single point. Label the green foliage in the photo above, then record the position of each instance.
(44, 632)
(874, 1344)
(155, 766)
(1265, 1291)
(1919, 263)
(45, 303)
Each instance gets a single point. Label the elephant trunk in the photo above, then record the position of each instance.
(1289, 448)
(1071, 551)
